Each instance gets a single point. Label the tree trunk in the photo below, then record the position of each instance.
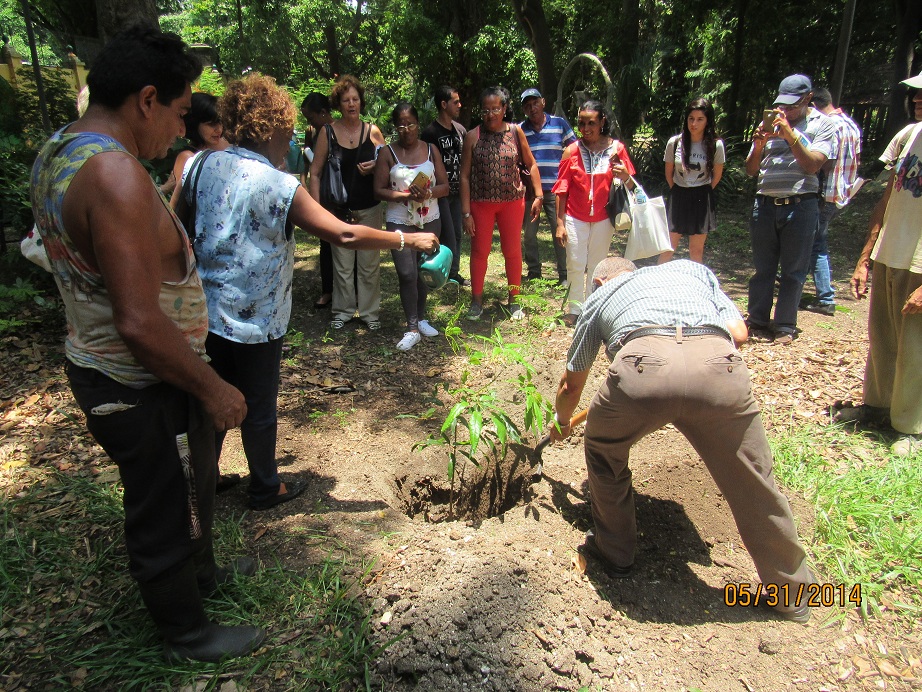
(629, 31)
(908, 22)
(736, 124)
(530, 14)
(845, 37)
(115, 15)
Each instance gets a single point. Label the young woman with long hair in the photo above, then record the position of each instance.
(694, 165)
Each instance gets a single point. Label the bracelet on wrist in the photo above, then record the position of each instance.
(561, 423)
(402, 240)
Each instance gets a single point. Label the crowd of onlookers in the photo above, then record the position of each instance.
(176, 311)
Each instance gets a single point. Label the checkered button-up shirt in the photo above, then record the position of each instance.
(681, 293)
(841, 178)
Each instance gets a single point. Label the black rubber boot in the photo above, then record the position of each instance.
(243, 566)
(210, 576)
(175, 604)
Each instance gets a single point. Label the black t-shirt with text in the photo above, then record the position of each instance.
(449, 143)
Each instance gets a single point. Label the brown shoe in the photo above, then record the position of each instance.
(589, 547)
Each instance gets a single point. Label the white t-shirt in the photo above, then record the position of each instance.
(892, 152)
(696, 174)
(899, 245)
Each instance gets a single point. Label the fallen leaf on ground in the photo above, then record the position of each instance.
(888, 668)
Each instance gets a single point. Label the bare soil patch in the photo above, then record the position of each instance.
(497, 599)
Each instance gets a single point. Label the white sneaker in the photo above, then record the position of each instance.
(515, 312)
(409, 340)
(427, 329)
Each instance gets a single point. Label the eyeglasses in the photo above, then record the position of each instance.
(407, 128)
(792, 106)
(492, 111)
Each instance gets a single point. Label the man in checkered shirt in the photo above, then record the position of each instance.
(671, 336)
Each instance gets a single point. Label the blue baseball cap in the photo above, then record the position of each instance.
(793, 89)
(529, 93)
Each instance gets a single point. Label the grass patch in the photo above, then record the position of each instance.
(70, 615)
(868, 516)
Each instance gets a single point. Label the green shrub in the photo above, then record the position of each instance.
(59, 96)
(16, 159)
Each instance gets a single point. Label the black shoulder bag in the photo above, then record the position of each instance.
(189, 191)
(333, 194)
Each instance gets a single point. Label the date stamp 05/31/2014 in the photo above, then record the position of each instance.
(745, 595)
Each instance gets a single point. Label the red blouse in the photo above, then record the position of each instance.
(578, 176)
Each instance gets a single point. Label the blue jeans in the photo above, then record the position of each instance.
(530, 237)
(819, 259)
(781, 236)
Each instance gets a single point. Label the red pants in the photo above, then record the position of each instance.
(508, 216)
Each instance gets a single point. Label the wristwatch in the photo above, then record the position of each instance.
(466, 215)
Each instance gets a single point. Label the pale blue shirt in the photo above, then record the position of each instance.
(245, 257)
(680, 293)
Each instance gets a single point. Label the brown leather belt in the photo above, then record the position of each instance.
(676, 332)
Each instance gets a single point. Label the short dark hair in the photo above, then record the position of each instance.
(204, 110)
(821, 97)
(403, 107)
(138, 57)
(315, 102)
(442, 94)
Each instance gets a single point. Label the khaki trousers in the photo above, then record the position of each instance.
(700, 385)
(357, 275)
(893, 375)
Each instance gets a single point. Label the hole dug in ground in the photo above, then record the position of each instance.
(480, 492)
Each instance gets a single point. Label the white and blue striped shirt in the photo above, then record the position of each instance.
(547, 145)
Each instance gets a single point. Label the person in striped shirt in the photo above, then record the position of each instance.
(786, 154)
(548, 136)
(838, 182)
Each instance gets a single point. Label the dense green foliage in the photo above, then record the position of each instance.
(658, 53)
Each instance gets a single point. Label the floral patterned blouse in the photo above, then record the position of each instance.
(494, 167)
(243, 244)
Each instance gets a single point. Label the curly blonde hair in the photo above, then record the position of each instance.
(253, 108)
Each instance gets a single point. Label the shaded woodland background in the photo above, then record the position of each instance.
(659, 53)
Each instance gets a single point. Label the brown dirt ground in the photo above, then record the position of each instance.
(497, 600)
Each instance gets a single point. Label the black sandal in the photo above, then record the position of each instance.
(227, 482)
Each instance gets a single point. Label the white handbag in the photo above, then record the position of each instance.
(649, 234)
(33, 249)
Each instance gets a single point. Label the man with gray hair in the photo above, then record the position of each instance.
(671, 336)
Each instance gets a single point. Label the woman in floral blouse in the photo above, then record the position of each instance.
(245, 213)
